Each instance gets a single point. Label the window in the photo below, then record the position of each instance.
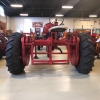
(2, 11)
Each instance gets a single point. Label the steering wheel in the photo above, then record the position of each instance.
(60, 20)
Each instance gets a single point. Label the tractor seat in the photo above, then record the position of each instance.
(60, 28)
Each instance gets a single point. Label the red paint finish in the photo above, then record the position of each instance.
(47, 27)
(25, 50)
(74, 50)
(29, 42)
(28, 49)
(3, 41)
(94, 38)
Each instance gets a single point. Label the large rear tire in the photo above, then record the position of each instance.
(86, 54)
(13, 54)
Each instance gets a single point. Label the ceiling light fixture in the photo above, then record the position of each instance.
(67, 7)
(23, 14)
(17, 5)
(59, 15)
(92, 15)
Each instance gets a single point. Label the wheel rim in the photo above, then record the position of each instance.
(25, 51)
(74, 51)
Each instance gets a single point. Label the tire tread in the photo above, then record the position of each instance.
(13, 60)
(87, 52)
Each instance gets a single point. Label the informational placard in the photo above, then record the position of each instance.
(37, 24)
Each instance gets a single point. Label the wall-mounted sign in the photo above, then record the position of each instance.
(37, 24)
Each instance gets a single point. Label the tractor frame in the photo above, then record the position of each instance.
(79, 49)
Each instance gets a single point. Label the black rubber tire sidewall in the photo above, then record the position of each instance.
(86, 54)
(13, 54)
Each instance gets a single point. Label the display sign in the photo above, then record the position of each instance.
(37, 24)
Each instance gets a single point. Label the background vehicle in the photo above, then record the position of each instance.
(3, 41)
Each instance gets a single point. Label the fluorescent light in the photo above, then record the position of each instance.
(92, 15)
(60, 15)
(23, 14)
(16, 5)
(68, 7)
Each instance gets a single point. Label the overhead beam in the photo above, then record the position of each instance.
(3, 3)
(8, 1)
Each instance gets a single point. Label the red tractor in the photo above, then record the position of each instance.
(79, 49)
(95, 38)
(3, 41)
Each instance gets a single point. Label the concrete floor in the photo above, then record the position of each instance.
(50, 82)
